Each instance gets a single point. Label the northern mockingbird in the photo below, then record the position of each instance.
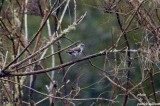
(76, 51)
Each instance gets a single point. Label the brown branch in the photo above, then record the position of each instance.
(32, 85)
(128, 60)
(53, 40)
(59, 46)
(129, 23)
(18, 78)
(124, 89)
(59, 66)
(39, 60)
(60, 98)
(152, 83)
(37, 33)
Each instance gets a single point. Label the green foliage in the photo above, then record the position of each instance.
(108, 76)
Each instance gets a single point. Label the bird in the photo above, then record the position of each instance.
(76, 51)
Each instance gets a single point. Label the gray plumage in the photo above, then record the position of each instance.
(76, 50)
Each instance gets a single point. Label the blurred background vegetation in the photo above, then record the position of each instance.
(98, 31)
(95, 31)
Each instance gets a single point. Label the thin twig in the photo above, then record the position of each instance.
(39, 30)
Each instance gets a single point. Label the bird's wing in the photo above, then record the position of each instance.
(77, 49)
(69, 50)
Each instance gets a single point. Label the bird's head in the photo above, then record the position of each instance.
(81, 45)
